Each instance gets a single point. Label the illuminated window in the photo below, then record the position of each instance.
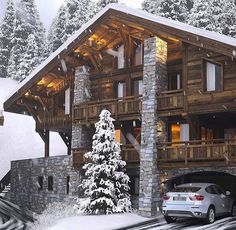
(179, 132)
(119, 136)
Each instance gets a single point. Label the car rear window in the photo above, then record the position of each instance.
(186, 189)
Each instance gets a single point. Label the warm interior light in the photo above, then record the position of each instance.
(50, 85)
(41, 82)
(27, 94)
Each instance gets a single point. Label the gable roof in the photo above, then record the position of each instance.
(130, 13)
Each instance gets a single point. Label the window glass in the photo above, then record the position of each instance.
(40, 183)
(138, 56)
(212, 76)
(186, 189)
(211, 190)
(67, 185)
(50, 183)
(138, 87)
(180, 132)
(121, 89)
(120, 57)
(67, 101)
(219, 190)
(175, 81)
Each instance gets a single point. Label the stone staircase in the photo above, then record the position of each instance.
(6, 192)
(5, 185)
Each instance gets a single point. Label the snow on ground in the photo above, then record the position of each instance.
(18, 139)
(98, 222)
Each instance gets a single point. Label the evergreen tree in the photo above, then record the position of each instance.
(57, 31)
(228, 19)
(172, 9)
(6, 35)
(77, 14)
(106, 184)
(151, 6)
(103, 3)
(28, 41)
(198, 16)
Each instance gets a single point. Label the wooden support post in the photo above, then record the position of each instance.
(46, 142)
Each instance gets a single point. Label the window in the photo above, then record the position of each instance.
(121, 89)
(50, 183)
(175, 81)
(212, 76)
(119, 136)
(40, 183)
(138, 87)
(179, 132)
(120, 57)
(138, 55)
(134, 185)
(67, 185)
(67, 101)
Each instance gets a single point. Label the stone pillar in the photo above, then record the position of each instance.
(81, 95)
(154, 81)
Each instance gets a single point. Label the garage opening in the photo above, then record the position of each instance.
(225, 180)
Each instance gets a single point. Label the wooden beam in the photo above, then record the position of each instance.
(67, 140)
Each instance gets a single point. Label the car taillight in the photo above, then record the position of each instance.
(165, 197)
(197, 197)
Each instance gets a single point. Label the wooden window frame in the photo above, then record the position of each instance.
(203, 73)
(132, 89)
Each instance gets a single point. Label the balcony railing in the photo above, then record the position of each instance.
(128, 152)
(118, 107)
(198, 152)
(170, 100)
(55, 122)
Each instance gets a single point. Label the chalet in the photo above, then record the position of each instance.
(171, 88)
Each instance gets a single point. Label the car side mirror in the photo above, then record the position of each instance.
(227, 193)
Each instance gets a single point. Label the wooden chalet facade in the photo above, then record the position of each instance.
(170, 87)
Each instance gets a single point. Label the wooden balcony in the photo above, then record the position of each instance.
(220, 152)
(170, 102)
(129, 154)
(55, 123)
(126, 108)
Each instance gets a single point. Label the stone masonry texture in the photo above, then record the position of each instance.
(24, 182)
(154, 81)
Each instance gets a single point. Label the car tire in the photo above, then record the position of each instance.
(170, 219)
(233, 210)
(210, 215)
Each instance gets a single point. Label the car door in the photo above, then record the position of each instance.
(226, 201)
(214, 198)
(222, 201)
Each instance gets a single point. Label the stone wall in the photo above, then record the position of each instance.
(81, 136)
(24, 182)
(154, 81)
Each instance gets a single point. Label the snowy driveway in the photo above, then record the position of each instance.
(194, 224)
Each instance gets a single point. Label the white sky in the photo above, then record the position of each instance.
(48, 8)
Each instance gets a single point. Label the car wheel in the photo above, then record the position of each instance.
(210, 215)
(170, 219)
(233, 210)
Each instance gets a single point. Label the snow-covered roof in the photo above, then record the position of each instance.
(133, 12)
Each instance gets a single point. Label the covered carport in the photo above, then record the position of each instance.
(225, 180)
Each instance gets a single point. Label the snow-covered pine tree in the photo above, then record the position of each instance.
(106, 183)
(172, 9)
(57, 31)
(228, 19)
(19, 42)
(28, 30)
(151, 6)
(199, 14)
(6, 35)
(77, 14)
(103, 3)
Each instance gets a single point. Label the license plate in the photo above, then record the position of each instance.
(179, 198)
